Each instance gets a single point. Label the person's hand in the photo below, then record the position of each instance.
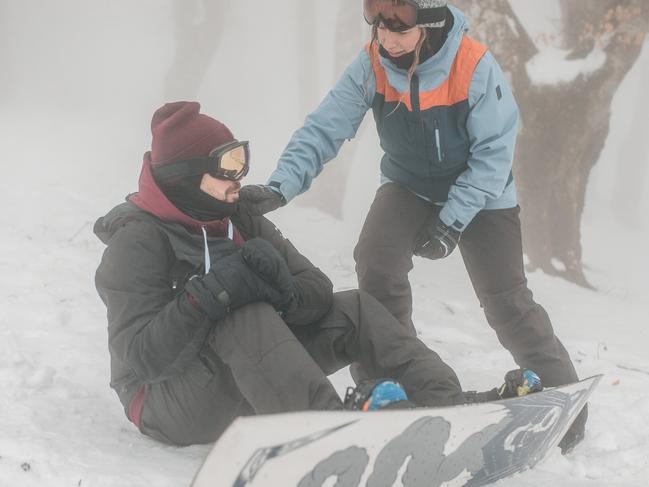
(230, 284)
(261, 198)
(266, 261)
(436, 241)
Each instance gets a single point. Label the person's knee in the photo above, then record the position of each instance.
(353, 301)
(257, 327)
(509, 306)
(383, 267)
(349, 297)
(370, 253)
(517, 318)
(254, 314)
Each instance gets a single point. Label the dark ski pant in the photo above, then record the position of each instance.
(492, 252)
(254, 363)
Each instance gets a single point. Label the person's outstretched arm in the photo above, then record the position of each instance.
(319, 140)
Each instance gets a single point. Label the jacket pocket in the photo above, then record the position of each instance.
(206, 366)
(179, 274)
(198, 373)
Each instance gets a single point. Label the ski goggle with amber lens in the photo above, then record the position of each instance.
(229, 161)
(395, 15)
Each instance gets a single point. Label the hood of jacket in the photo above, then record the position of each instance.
(151, 199)
(151, 205)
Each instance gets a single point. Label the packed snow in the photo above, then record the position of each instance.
(71, 149)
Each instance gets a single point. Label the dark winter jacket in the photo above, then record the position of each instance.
(154, 330)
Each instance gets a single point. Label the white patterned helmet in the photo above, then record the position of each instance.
(432, 13)
(401, 15)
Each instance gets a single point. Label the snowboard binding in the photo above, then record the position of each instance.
(372, 395)
(518, 383)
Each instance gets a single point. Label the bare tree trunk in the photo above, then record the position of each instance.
(198, 32)
(564, 130)
(334, 179)
(307, 57)
(631, 169)
(6, 71)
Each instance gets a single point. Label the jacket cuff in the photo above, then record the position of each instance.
(287, 189)
(448, 218)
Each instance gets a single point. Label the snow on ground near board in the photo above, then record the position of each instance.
(62, 426)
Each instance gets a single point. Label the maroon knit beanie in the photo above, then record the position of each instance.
(180, 132)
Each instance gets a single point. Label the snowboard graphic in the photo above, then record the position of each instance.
(455, 446)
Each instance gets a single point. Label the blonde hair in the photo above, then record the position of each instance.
(423, 35)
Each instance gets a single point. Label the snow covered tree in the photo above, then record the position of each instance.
(565, 114)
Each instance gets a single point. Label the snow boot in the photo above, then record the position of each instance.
(519, 382)
(373, 395)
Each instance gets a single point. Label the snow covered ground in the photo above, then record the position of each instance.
(62, 426)
(68, 156)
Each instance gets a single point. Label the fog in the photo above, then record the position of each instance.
(79, 81)
(83, 78)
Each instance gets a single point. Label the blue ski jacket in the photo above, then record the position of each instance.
(448, 133)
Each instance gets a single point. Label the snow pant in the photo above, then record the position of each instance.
(491, 248)
(254, 363)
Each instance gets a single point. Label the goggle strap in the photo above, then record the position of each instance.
(433, 15)
(231, 145)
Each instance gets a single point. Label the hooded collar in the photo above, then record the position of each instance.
(151, 199)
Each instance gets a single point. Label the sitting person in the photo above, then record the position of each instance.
(213, 314)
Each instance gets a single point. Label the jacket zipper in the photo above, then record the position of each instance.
(208, 261)
(416, 109)
(438, 142)
(414, 93)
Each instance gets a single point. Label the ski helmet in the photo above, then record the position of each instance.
(432, 13)
(401, 15)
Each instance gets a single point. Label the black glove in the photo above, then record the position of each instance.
(261, 198)
(436, 241)
(266, 261)
(230, 284)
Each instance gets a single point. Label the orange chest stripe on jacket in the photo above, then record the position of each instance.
(453, 90)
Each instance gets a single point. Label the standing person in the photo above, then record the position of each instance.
(213, 314)
(447, 122)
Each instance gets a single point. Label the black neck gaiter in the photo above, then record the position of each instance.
(435, 39)
(187, 195)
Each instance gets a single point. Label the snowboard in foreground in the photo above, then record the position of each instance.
(456, 446)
